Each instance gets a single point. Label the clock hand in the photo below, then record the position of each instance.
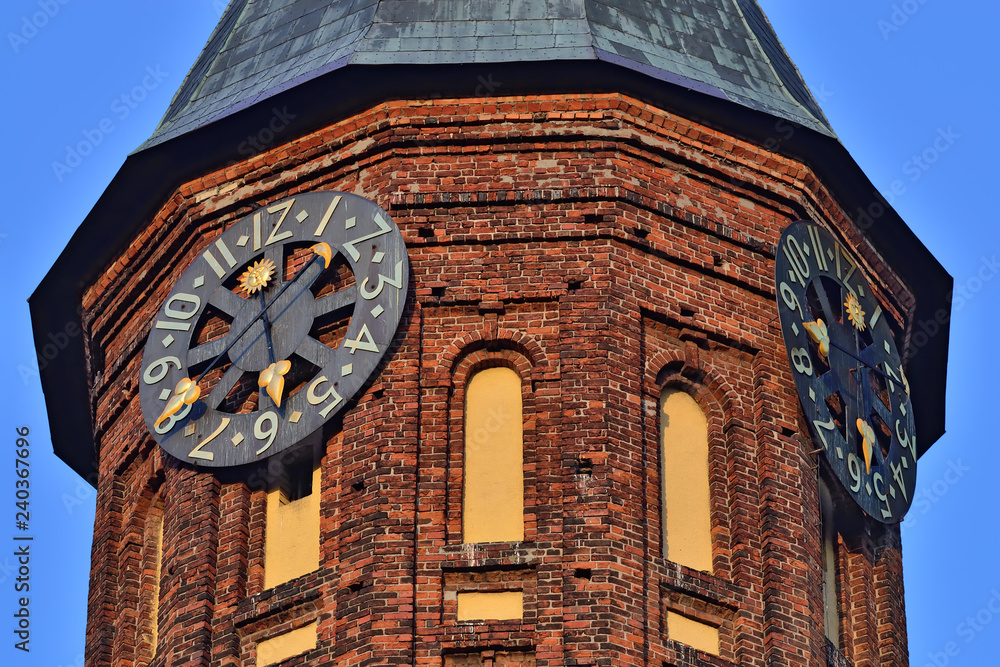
(267, 326)
(857, 358)
(271, 378)
(187, 392)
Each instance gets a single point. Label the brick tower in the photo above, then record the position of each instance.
(581, 445)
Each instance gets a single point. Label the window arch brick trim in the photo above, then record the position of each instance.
(138, 553)
(685, 369)
(456, 356)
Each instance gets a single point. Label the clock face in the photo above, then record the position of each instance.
(847, 370)
(273, 328)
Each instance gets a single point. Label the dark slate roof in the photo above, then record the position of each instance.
(723, 48)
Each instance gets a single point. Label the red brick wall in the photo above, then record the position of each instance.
(602, 248)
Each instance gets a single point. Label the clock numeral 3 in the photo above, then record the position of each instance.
(396, 281)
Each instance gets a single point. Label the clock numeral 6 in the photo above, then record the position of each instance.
(157, 370)
(802, 361)
(897, 474)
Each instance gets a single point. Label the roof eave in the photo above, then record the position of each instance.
(150, 176)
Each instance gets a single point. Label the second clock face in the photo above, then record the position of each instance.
(277, 323)
(847, 370)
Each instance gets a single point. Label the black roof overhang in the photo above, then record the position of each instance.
(149, 177)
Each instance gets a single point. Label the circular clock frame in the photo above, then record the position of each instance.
(848, 375)
(272, 317)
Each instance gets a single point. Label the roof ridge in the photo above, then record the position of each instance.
(763, 33)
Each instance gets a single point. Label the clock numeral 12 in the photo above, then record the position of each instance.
(274, 236)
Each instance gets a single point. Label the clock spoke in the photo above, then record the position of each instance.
(227, 301)
(315, 352)
(345, 297)
(824, 303)
(207, 351)
(224, 386)
(276, 253)
(882, 411)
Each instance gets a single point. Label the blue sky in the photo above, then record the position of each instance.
(909, 86)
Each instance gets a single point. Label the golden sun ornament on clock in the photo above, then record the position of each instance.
(854, 311)
(257, 276)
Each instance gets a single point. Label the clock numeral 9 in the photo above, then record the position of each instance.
(161, 366)
(315, 399)
(854, 467)
(268, 433)
(802, 361)
(792, 301)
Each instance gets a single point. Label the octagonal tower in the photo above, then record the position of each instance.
(583, 444)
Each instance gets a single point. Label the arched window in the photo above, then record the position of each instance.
(686, 520)
(687, 526)
(493, 494)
